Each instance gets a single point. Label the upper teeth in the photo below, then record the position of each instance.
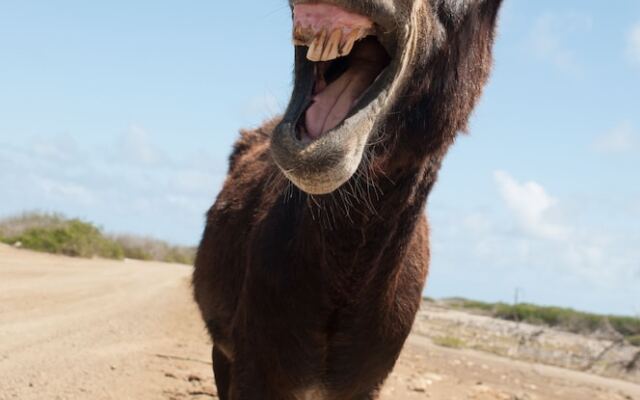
(325, 45)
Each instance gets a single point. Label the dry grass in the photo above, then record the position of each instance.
(146, 248)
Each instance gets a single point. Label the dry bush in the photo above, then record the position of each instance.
(146, 248)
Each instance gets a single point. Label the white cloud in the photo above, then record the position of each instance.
(64, 191)
(532, 206)
(477, 223)
(129, 185)
(549, 36)
(634, 44)
(138, 148)
(487, 252)
(544, 237)
(56, 149)
(621, 139)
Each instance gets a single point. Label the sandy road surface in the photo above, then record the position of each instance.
(95, 329)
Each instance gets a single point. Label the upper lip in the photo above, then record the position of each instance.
(385, 22)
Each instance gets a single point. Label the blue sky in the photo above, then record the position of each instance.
(124, 113)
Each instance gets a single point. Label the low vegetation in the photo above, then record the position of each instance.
(634, 340)
(449, 341)
(145, 248)
(562, 318)
(53, 233)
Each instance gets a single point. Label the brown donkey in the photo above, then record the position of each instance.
(315, 254)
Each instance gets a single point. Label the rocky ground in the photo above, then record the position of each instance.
(600, 354)
(96, 329)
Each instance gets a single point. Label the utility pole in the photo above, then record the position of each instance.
(516, 300)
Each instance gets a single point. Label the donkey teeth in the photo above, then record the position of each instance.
(332, 46)
(350, 41)
(317, 47)
(323, 48)
(352, 38)
(302, 36)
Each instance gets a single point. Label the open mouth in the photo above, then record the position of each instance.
(348, 65)
(344, 59)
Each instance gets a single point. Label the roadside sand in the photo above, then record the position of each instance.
(97, 329)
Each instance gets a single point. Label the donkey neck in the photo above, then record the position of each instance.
(376, 213)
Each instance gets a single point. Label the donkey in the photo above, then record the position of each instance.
(315, 254)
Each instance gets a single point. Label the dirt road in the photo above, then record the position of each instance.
(96, 329)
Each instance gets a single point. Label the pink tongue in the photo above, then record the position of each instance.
(331, 105)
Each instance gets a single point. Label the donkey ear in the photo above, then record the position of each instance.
(454, 13)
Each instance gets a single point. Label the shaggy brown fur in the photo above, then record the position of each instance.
(313, 296)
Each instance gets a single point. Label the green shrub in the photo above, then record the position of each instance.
(449, 341)
(144, 248)
(634, 340)
(556, 317)
(17, 225)
(478, 305)
(627, 326)
(473, 305)
(568, 319)
(74, 238)
(179, 256)
(135, 253)
(53, 233)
